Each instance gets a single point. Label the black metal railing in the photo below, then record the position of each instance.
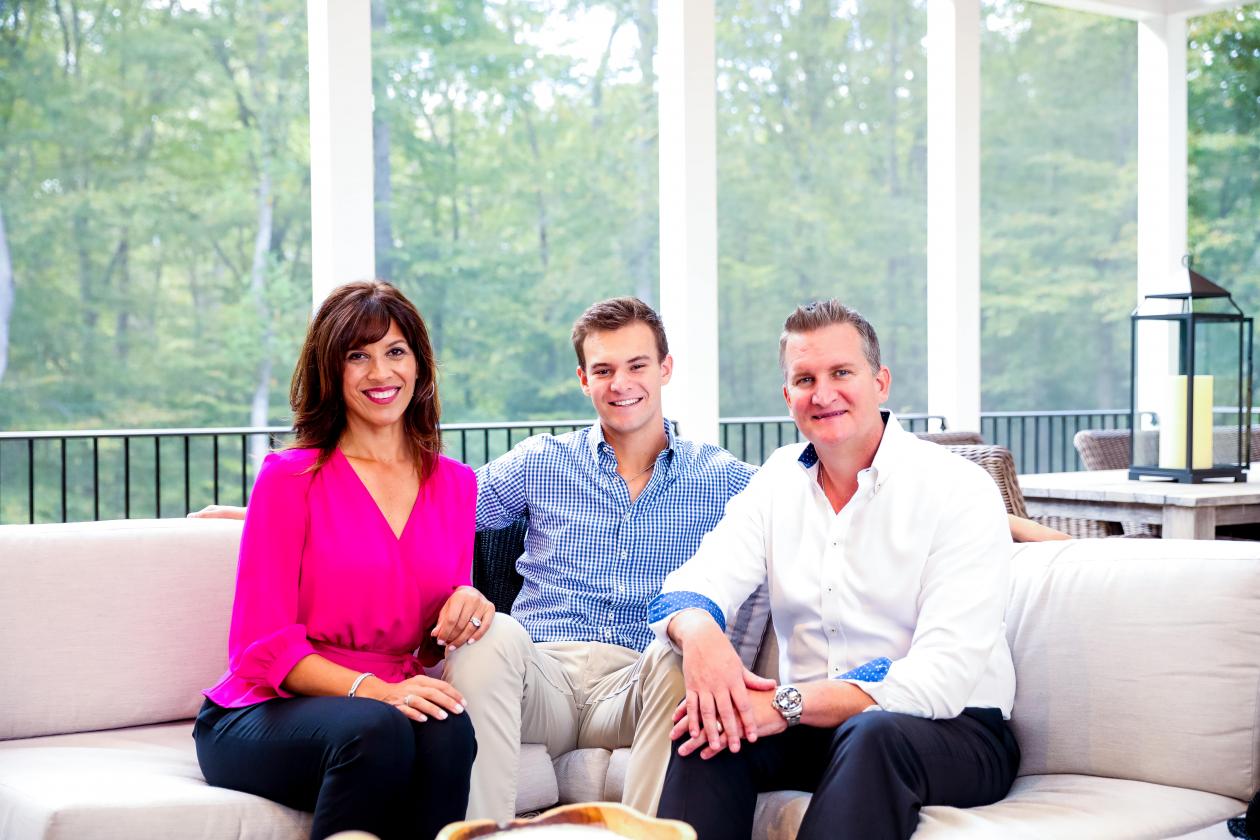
(119, 474)
(752, 439)
(1041, 441)
(73, 476)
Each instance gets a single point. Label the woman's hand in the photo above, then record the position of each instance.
(418, 697)
(465, 618)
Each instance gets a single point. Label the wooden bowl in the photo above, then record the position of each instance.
(583, 821)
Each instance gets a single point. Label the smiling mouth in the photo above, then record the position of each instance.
(382, 396)
(627, 403)
(829, 414)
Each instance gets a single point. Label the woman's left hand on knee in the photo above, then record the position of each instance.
(465, 618)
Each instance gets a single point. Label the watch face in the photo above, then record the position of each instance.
(788, 700)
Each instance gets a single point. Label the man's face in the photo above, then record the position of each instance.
(623, 378)
(831, 391)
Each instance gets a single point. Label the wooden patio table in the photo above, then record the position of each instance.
(1186, 511)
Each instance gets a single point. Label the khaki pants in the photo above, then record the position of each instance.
(565, 695)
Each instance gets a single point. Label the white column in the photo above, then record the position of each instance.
(688, 207)
(1162, 185)
(953, 211)
(340, 44)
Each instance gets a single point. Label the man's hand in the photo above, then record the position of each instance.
(218, 512)
(766, 721)
(717, 709)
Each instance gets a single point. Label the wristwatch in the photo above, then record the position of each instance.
(789, 703)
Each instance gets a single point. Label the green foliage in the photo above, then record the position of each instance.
(1058, 207)
(1223, 65)
(134, 137)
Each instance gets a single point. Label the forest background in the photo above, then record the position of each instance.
(155, 213)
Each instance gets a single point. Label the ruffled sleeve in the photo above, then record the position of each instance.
(265, 640)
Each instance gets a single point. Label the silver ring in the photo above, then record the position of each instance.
(407, 700)
(475, 622)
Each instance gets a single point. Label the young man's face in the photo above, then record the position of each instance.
(831, 391)
(623, 378)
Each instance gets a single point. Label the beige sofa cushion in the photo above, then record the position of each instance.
(131, 784)
(1137, 659)
(144, 782)
(108, 605)
(1038, 807)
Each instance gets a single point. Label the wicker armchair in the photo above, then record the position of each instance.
(1108, 449)
(952, 438)
(998, 462)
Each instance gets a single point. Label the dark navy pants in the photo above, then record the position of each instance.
(357, 763)
(869, 776)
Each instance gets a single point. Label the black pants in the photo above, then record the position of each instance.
(869, 776)
(357, 763)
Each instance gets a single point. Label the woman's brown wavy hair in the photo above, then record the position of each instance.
(352, 316)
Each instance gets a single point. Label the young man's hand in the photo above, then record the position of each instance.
(717, 710)
(766, 721)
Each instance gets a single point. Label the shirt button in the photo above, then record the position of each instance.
(621, 587)
(624, 555)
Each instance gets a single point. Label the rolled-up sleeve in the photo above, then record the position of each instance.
(266, 640)
(961, 604)
(729, 564)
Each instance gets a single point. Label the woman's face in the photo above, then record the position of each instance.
(379, 379)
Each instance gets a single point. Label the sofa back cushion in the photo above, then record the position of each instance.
(1138, 659)
(109, 624)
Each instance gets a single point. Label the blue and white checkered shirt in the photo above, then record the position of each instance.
(593, 559)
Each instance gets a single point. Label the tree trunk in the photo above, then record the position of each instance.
(381, 178)
(540, 200)
(261, 402)
(258, 289)
(644, 271)
(7, 295)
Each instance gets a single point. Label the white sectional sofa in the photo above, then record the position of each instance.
(1138, 702)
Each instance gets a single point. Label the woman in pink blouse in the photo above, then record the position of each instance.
(355, 571)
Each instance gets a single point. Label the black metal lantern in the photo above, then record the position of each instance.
(1190, 385)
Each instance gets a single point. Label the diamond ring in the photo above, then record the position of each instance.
(475, 622)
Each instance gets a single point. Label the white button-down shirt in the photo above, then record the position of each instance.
(902, 592)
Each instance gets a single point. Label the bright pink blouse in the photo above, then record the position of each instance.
(321, 571)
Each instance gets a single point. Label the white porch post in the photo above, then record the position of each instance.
(953, 211)
(1162, 181)
(340, 44)
(688, 208)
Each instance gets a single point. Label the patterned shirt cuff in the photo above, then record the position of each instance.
(872, 672)
(668, 603)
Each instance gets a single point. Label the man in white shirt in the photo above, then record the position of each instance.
(887, 559)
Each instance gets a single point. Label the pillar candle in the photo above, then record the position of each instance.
(1172, 429)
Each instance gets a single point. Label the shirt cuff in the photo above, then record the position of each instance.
(871, 672)
(666, 605)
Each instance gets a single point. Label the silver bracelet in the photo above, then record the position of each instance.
(354, 686)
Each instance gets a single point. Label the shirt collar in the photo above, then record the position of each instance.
(891, 447)
(595, 438)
